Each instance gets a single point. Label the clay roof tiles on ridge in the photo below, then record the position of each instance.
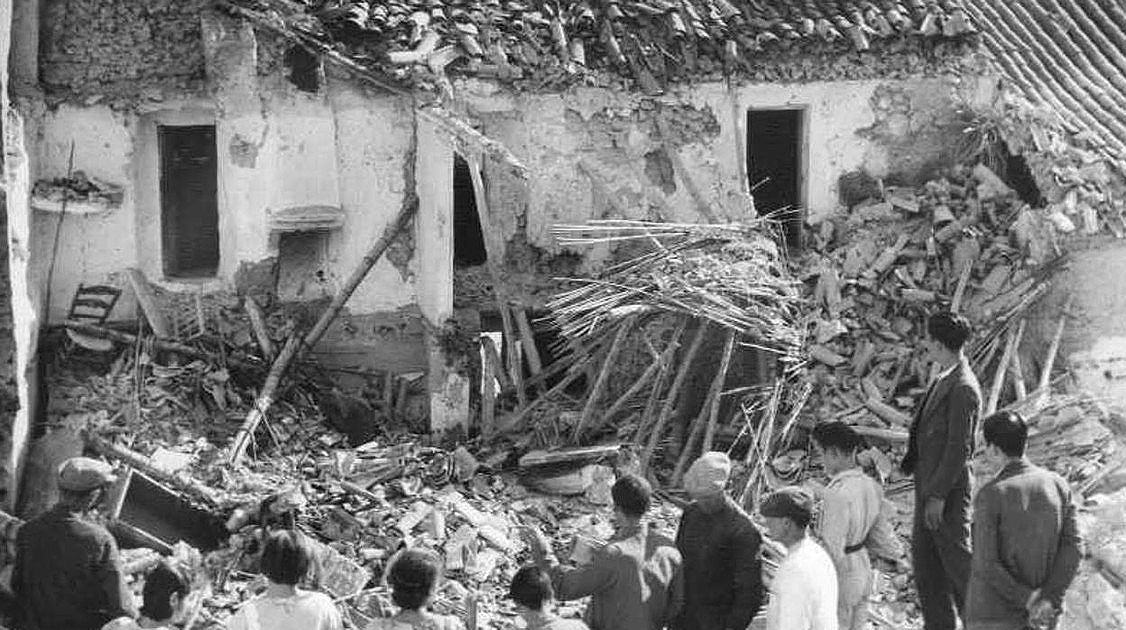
(1068, 54)
(647, 40)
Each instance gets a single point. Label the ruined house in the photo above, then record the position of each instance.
(258, 148)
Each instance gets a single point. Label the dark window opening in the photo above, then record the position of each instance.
(189, 204)
(774, 166)
(1020, 177)
(304, 69)
(469, 240)
(301, 266)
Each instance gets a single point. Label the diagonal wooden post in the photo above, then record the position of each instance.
(296, 346)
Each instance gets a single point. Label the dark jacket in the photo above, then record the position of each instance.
(68, 574)
(634, 583)
(942, 436)
(722, 568)
(1025, 538)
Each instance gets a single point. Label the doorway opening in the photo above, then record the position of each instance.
(469, 240)
(775, 166)
(189, 203)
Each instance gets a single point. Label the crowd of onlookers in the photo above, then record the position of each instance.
(1005, 567)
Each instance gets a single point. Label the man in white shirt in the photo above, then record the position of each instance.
(803, 595)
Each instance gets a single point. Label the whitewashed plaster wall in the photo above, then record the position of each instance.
(847, 124)
(344, 150)
(278, 147)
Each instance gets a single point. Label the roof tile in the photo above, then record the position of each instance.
(1069, 54)
(652, 41)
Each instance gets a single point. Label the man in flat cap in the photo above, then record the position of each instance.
(720, 547)
(68, 573)
(803, 594)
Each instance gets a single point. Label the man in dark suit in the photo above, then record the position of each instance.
(1026, 541)
(938, 454)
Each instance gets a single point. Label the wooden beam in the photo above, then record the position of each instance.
(150, 306)
(671, 397)
(258, 325)
(608, 366)
(295, 345)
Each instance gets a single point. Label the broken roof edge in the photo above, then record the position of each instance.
(746, 55)
(1082, 179)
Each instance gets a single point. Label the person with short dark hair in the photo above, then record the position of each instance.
(1025, 538)
(852, 522)
(634, 582)
(68, 571)
(413, 576)
(803, 594)
(939, 448)
(722, 550)
(286, 558)
(532, 592)
(165, 596)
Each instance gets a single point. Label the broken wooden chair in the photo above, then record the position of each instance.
(92, 304)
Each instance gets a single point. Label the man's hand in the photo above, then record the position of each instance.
(932, 513)
(1040, 611)
(537, 542)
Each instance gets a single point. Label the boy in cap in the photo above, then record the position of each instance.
(532, 592)
(721, 550)
(634, 582)
(852, 522)
(803, 595)
(68, 573)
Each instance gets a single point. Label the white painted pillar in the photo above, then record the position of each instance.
(433, 172)
(25, 292)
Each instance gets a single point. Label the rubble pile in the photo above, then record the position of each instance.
(1078, 174)
(652, 43)
(963, 242)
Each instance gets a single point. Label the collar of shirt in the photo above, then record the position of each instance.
(1014, 467)
(947, 372)
(845, 474)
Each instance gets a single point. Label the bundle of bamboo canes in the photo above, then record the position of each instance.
(729, 283)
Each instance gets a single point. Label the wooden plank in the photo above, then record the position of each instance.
(671, 397)
(608, 365)
(568, 455)
(150, 306)
(265, 398)
(489, 365)
(528, 341)
(494, 254)
(659, 365)
(1002, 369)
(1053, 350)
(258, 325)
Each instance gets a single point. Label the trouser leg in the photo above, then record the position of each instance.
(935, 596)
(859, 617)
(953, 542)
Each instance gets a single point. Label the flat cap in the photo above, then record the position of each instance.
(81, 474)
(792, 502)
